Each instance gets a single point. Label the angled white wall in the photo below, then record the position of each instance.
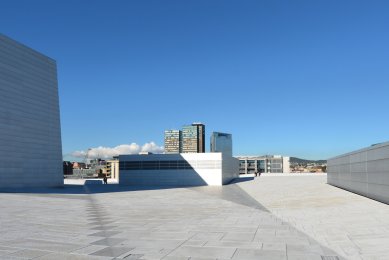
(30, 134)
(365, 172)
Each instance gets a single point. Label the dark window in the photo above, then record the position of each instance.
(154, 165)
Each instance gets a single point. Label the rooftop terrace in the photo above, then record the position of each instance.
(270, 217)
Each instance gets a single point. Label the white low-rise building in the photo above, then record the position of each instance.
(264, 164)
(185, 169)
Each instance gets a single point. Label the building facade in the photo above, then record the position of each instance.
(221, 143)
(177, 169)
(30, 132)
(189, 139)
(173, 141)
(193, 138)
(365, 172)
(113, 168)
(263, 164)
(201, 137)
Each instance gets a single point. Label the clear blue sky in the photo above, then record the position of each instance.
(300, 78)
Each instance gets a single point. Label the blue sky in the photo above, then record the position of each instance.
(300, 78)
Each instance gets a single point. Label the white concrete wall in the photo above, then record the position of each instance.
(230, 168)
(30, 134)
(208, 169)
(286, 164)
(365, 172)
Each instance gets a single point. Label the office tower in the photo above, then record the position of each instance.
(30, 132)
(201, 137)
(221, 143)
(189, 139)
(173, 141)
(193, 138)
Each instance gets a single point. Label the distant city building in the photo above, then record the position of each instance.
(79, 165)
(30, 132)
(221, 143)
(189, 139)
(193, 138)
(263, 164)
(173, 141)
(112, 167)
(201, 137)
(67, 168)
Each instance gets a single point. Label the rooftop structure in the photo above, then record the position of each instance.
(185, 169)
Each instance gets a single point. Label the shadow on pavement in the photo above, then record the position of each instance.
(96, 186)
(241, 179)
(230, 192)
(89, 188)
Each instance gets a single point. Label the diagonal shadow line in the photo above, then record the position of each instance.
(232, 193)
(236, 194)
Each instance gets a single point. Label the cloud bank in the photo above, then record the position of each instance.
(108, 152)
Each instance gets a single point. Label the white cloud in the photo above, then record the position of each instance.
(108, 152)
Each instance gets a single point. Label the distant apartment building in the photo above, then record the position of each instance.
(112, 167)
(221, 143)
(190, 140)
(201, 137)
(173, 141)
(263, 164)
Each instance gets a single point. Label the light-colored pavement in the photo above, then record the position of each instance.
(351, 225)
(297, 217)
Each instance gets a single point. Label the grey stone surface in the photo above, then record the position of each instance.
(342, 223)
(30, 133)
(365, 171)
(42, 245)
(105, 233)
(29, 253)
(304, 219)
(205, 252)
(259, 254)
(108, 241)
(89, 249)
(112, 251)
(63, 256)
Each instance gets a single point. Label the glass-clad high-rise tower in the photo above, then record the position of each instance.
(221, 143)
(193, 138)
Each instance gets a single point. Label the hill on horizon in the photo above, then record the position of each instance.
(305, 161)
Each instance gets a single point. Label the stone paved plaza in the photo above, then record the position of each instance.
(286, 217)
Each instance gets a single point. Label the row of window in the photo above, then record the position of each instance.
(167, 165)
